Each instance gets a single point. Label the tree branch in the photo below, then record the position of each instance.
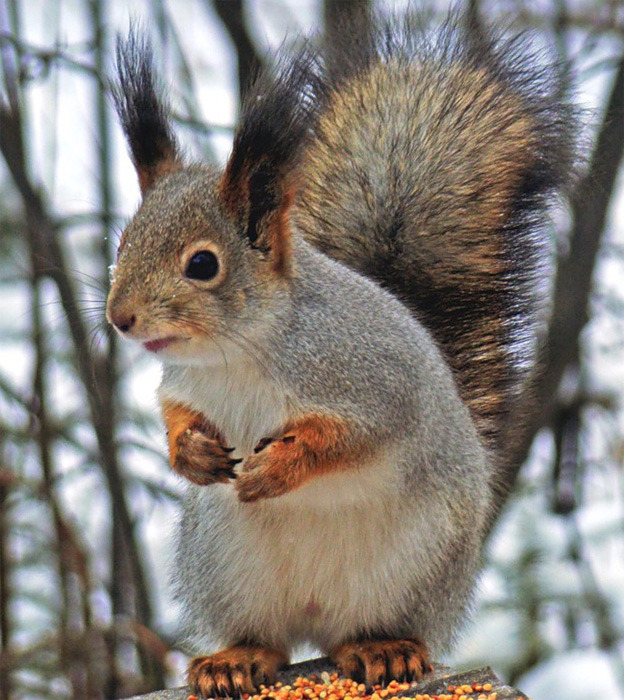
(231, 14)
(570, 310)
(5, 597)
(347, 23)
(51, 262)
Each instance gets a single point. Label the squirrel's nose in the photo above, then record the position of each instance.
(122, 319)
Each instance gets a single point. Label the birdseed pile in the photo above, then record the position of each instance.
(331, 687)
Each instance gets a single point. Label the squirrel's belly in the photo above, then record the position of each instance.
(291, 572)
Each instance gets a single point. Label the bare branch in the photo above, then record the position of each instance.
(231, 14)
(46, 57)
(346, 23)
(587, 21)
(5, 623)
(570, 310)
(51, 262)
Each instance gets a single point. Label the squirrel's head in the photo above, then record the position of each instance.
(207, 259)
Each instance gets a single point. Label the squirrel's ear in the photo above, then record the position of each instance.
(260, 179)
(260, 201)
(144, 116)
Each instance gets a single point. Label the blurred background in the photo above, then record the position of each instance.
(88, 505)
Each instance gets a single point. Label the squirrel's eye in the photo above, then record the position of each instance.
(202, 266)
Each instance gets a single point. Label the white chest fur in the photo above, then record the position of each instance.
(317, 565)
(239, 397)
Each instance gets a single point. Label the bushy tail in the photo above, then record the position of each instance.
(434, 161)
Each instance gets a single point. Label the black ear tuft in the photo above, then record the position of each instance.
(276, 120)
(262, 199)
(144, 116)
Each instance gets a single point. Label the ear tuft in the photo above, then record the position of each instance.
(261, 175)
(262, 199)
(144, 116)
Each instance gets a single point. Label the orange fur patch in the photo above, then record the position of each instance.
(276, 236)
(180, 418)
(233, 192)
(149, 176)
(308, 447)
(279, 236)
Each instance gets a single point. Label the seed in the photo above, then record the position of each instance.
(331, 687)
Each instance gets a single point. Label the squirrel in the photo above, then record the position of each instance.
(339, 313)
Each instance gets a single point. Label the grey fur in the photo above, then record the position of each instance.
(387, 546)
(343, 345)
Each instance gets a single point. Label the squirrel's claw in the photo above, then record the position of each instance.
(203, 460)
(264, 442)
(230, 472)
(375, 662)
(239, 668)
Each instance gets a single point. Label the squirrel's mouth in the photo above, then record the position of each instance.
(159, 343)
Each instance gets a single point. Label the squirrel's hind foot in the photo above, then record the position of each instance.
(381, 661)
(231, 672)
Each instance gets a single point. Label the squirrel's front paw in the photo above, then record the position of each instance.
(202, 459)
(271, 471)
